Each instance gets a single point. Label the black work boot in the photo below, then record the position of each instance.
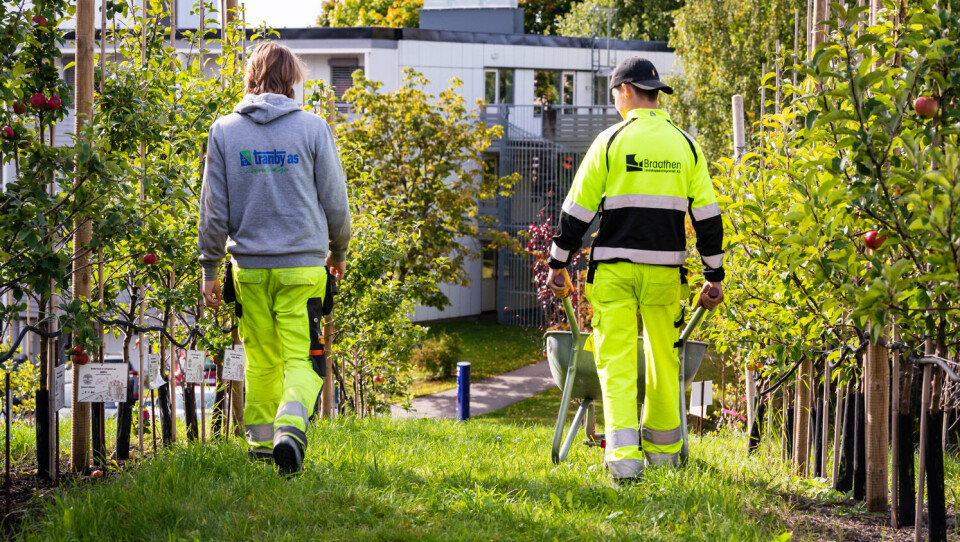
(287, 452)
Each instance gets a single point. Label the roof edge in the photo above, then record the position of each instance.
(418, 34)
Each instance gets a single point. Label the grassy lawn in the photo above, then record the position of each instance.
(391, 479)
(491, 349)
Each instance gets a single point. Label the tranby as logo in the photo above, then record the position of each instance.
(268, 158)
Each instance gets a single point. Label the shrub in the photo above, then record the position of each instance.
(438, 355)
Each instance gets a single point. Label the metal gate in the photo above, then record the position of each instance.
(545, 146)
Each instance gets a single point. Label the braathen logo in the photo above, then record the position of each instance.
(651, 166)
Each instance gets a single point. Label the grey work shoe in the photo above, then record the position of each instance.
(287, 454)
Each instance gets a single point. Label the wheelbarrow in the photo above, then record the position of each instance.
(575, 372)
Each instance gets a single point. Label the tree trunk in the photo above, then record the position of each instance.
(848, 442)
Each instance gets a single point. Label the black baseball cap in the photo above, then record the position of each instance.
(639, 72)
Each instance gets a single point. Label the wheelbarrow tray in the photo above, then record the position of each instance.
(586, 384)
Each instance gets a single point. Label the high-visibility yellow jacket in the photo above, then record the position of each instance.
(642, 176)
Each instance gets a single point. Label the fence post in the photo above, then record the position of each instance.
(463, 391)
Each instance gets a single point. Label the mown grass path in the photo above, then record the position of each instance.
(388, 479)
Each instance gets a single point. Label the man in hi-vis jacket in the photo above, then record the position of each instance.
(274, 195)
(641, 176)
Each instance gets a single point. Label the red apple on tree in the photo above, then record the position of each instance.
(873, 239)
(7, 132)
(38, 100)
(39, 20)
(80, 359)
(19, 108)
(379, 379)
(925, 106)
(149, 259)
(54, 102)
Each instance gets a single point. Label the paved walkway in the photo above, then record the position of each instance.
(485, 396)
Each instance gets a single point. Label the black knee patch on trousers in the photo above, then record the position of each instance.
(317, 347)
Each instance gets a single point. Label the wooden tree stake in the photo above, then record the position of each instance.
(876, 374)
(83, 99)
(801, 422)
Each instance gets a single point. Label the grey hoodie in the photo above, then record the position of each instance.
(274, 192)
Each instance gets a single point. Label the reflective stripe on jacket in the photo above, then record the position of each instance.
(642, 176)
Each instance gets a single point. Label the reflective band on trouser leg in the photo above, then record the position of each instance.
(614, 301)
(662, 438)
(301, 384)
(661, 404)
(261, 433)
(261, 345)
(293, 410)
(657, 460)
(652, 438)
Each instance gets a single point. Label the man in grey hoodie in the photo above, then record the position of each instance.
(274, 197)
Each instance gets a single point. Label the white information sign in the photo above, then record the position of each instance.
(154, 380)
(701, 397)
(59, 387)
(102, 383)
(233, 364)
(193, 372)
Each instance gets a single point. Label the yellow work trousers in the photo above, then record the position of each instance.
(281, 383)
(620, 292)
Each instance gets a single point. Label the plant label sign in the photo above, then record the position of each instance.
(193, 372)
(233, 364)
(59, 387)
(102, 383)
(701, 396)
(154, 379)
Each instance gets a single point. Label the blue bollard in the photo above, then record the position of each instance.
(463, 391)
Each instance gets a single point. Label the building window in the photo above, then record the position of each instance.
(567, 91)
(341, 79)
(498, 85)
(552, 87)
(601, 96)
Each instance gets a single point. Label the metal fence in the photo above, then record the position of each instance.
(545, 146)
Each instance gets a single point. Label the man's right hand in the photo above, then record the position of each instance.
(337, 269)
(211, 293)
(708, 302)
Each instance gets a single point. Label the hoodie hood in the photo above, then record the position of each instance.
(265, 108)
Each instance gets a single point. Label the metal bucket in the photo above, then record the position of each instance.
(586, 384)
